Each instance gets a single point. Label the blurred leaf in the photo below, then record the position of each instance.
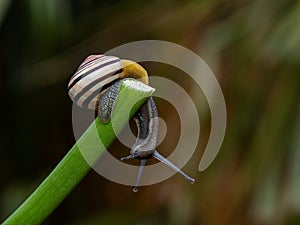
(285, 38)
(292, 191)
(4, 5)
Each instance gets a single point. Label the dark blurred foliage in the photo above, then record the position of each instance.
(252, 46)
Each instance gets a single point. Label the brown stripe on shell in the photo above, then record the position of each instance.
(87, 70)
(96, 72)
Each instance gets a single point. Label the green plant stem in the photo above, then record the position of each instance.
(73, 167)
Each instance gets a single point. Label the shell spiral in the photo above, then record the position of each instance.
(93, 76)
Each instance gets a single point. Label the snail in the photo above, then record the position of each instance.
(96, 84)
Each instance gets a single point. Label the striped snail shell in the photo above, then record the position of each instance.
(98, 72)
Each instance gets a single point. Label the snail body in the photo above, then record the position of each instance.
(96, 84)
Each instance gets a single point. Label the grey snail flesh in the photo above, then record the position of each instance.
(107, 101)
(148, 124)
(146, 120)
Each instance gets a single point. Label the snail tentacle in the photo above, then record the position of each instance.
(162, 159)
(140, 172)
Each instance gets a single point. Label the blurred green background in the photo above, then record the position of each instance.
(253, 47)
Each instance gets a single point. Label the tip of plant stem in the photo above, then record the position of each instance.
(138, 85)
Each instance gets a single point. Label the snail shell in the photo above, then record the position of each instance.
(96, 74)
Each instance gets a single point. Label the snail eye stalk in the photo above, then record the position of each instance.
(162, 159)
(140, 172)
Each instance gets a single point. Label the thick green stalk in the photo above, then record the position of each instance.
(73, 167)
